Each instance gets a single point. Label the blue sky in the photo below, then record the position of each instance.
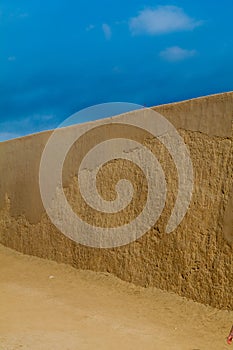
(58, 57)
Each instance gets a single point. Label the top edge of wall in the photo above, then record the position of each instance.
(210, 114)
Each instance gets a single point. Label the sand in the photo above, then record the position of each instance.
(46, 306)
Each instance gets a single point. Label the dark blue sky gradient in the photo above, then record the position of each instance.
(55, 58)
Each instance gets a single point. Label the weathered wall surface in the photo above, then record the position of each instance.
(195, 261)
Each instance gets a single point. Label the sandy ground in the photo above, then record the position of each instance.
(49, 306)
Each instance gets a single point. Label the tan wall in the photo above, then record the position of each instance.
(195, 261)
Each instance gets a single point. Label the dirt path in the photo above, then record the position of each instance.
(49, 306)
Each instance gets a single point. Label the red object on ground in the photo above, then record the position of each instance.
(230, 336)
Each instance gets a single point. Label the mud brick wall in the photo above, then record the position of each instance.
(195, 261)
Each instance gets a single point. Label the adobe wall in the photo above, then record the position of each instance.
(195, 261)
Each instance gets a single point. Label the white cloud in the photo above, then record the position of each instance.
(11, 58)
(4, 136)
(107, 31)
(25, 126)
(23, 15)
(163, 19)
(116, 69)
(42, 117)
(90, 27)
(176, 53)
(18, 15)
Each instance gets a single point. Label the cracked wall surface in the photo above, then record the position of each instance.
(195, 261)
